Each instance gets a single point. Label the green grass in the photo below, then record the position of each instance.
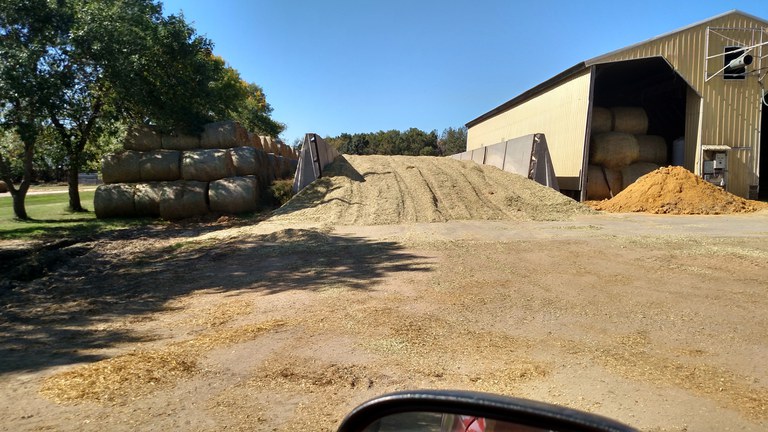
(51, 218)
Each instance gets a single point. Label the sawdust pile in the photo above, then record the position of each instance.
(383, 190)
(675, 190)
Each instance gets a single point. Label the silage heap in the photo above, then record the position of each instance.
(384, 190)
(675, 190)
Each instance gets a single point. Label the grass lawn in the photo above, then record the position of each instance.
(50, 217)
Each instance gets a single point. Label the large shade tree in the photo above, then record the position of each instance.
(78, 66)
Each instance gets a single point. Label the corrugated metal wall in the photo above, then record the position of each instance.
(730, 111)
(560, 113)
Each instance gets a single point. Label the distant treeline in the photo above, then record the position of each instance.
(412, 142)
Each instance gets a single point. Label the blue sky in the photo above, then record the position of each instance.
(361, 66)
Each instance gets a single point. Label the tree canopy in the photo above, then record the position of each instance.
(411, 142)
(72, 69)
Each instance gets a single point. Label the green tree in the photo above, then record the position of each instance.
(28, 29)
(254, 113)
(452, 141)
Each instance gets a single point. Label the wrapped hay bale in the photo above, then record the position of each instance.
(175, 141)
(255, 141)
(613, 150)
(244, 160)
(183, 199)
(233, 195)
(603, 183)
(223, 134)
(142, 138)
(602, 120)
(653, 149)
(269, 144)
(264, 169)
(206, 165)
(160, 165)
(631, 173)
(114, 200)
(121, 167)
(146, 198)
(632, 120)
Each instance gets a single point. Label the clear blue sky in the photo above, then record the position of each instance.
(333, 66)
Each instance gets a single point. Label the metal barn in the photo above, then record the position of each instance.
(702, 88)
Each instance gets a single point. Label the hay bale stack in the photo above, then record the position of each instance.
(631, 173)
(114, 200)
(274, 167)
(142, 138)
(207, 165)
(175, 141)
(183, 199)
(160, 165)
(146, 198)
(263, 172)
(653, 149)
(244, 160)
(602, 120)
(613, 150)
(233, 195)
(255, 141)
(631, 120)
(224, 134)
(121, 167)
(269, 144)
(293, 165)
(603, 183)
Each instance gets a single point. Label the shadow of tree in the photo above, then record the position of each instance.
(55, 319)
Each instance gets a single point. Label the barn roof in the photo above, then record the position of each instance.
(582, 66)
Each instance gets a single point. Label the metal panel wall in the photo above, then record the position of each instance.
(729, 110)
(560, 113)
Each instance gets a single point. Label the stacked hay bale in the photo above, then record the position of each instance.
(620, 150)
(174, 176)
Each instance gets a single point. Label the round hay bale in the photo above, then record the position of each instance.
(293, 165)
(269, 144)
(653, 149)
(255, 141)
(274, 168)
(146, 198)
(3, 187)
(160, 165)
(223, 134)
(183, 199)
(632, 120)
(233, 195)
(262, 161)
(176, 141)
(244, 160)
(206, 165)
(613, 150)
(602, 120)
(142, 138)
(114, 200)
(631, 173)
(121, 167)
(603, 183)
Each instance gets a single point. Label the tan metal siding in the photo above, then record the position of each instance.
(731, 108)
(692, 117)
(560, 113)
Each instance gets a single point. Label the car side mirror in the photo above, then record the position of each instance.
(461, 411)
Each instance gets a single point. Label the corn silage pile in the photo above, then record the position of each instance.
(384, 190)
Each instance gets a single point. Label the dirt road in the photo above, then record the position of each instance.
(656, 321)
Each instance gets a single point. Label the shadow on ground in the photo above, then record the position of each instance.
(58, 317)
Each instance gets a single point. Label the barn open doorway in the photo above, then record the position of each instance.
(647, 88)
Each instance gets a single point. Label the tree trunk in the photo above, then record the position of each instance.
(73, 182)
(19, 195)
(19, 209)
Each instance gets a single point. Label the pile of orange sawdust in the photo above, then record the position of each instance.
(675, 190)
